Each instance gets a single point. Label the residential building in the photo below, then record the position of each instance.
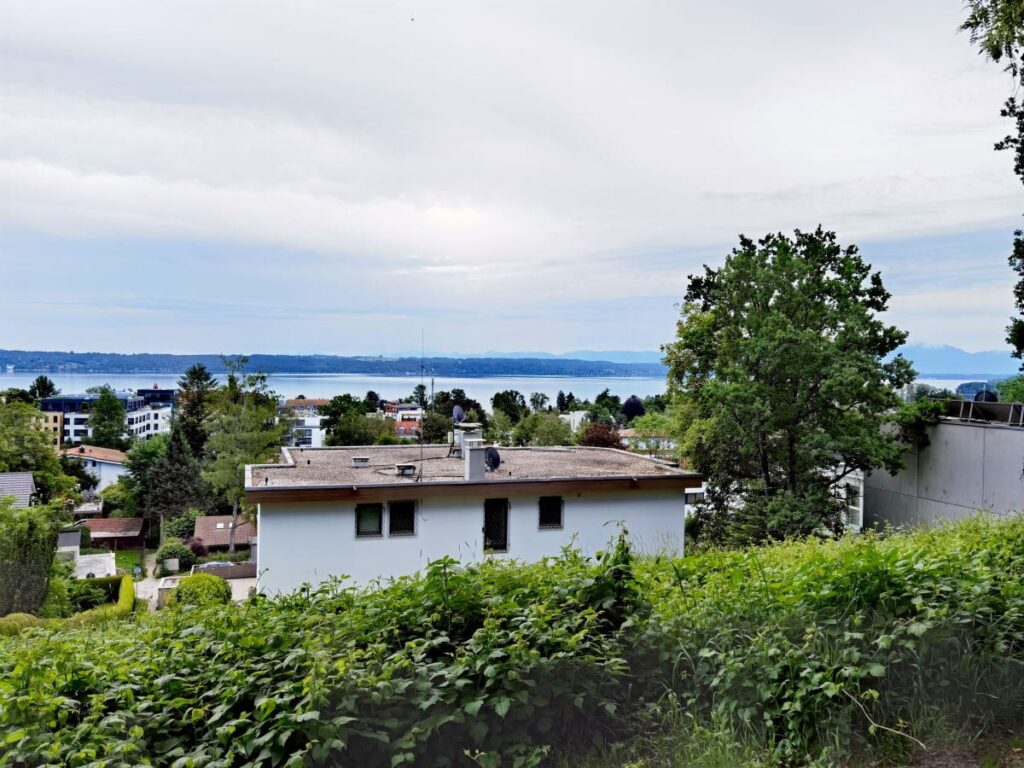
(20, 486)
(407, 428)
(53, 422)
(573, 418)
(403, 411)
(141, 421)
(385, 511)
(307, 424)
(215, 531)
(161, 397)
(105, 464)
(115, 532)
(972, 462)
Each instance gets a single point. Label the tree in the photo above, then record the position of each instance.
(651, 431)
(632, 408)
(561, 402)
(608, 402)
(371, 403)
(538, 401)
(435, 428)
(132, 497)
(107, 421)
(927, 391)
(15, 395)
(42, 387)
(344, 419)
(779, 363)
(444, 402)
(542, 429)
(174, 481)
(1011, 390)
(419, 395)
(28, 544)
(26, 447)
(600, 436)
(511, 403)
(196, 389)
(243, 430)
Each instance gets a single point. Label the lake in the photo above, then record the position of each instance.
(390, 387)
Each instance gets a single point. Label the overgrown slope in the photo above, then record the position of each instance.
(799, 647)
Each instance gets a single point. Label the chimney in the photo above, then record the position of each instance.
(475, 466)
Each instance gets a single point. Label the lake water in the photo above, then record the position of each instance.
(391, 387)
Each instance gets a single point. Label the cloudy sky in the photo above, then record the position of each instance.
(334, 177)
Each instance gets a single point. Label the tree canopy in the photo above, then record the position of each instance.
(107, 421)
(780, 368)
(196, 389)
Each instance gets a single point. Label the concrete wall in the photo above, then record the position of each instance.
(307, 542)
(967, 467)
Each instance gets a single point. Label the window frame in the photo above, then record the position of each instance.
(508, 515)
(379, 533)
(561, 514)
(415, 509)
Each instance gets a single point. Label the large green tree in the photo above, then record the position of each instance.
(511, 403)
(196, 389)
(173, 481)
(997, 28)
(26, 447)
(107, 421)
(244, 429)
(43, 386)
(28, 543)
(780, 363)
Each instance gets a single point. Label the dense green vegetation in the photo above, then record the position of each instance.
(805, 650)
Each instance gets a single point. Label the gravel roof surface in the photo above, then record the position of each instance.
(333, 466)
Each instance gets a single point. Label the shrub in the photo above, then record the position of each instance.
(174, 548)
(197, 546)
(84, 594)
(28, 543)
(85, 542)
(202, 589)
(183, 526)
(800, 647)
(14, 623)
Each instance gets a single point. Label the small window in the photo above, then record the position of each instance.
(495, 525)
(368, 519)
(401, 518)
(550, 512)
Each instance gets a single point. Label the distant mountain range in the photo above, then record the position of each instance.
(928, 361)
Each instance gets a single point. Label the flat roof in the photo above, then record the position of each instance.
(327, 473)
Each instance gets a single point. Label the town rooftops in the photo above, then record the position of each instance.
(306, 402)
(331, 473)
(114, 527)
(95, 453)
(20, 485)
(215, 531)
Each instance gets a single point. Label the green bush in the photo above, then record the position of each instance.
(85, 542)
(202, 589)
(183, 526)
(14, 623)
(175, 548)
(800, 647)
(85, 594)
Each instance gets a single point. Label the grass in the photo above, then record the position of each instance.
(127, 559)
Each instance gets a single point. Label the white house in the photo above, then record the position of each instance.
(105, 464)
(384, 511)
(307, 424)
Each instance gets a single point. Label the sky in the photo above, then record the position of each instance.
(340, 178)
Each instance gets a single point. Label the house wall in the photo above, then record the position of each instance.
(966, 467)
(309, 541)
(105, 472)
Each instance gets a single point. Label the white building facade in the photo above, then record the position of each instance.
(381, 521)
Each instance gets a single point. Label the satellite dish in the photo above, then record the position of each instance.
(492, 459)
(458, 415)
(986, 397)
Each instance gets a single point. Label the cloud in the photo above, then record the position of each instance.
(527, 160)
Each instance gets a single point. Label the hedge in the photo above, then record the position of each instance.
(14, 623)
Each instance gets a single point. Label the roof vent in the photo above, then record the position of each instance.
(360, 461)
(405, 470)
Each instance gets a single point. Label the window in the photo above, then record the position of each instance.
(401, 518)
(496, 525)
(549, 512)
(368, 519)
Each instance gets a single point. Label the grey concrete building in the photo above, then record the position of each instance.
(975, 462)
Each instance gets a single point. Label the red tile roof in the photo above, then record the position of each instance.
(114, 527)
(306, 402)
(96, 454)
(215, 530)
